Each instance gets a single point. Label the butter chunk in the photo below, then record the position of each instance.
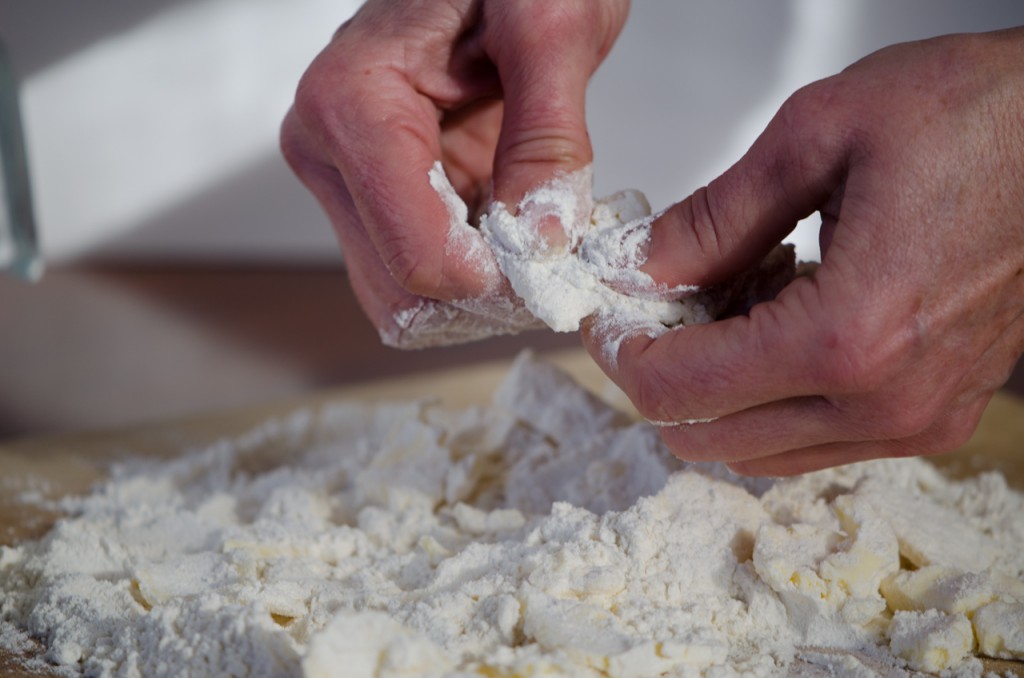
(868, 554)
(818, 570)
(940, 588)
(372, 645)
(594, 637)
(928, 532)
(999, 627)
(930, 641)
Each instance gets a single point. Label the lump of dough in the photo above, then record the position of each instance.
(931, 641)
(999, 627)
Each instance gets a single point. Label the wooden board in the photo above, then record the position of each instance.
(70, 464)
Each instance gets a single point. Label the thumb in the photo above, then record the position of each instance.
(719, 231)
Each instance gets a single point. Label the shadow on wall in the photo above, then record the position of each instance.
(43, 33)
(683, 75)
(259, 213)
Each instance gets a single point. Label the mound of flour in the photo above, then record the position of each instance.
(542, 534)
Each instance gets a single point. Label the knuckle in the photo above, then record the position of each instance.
(312, 101)
(699, 217)
(843, 368)
(815, 120)
(291, 147)
(340, 84)
(551, 23)
(809, 112)
(903, 419)
(546, 143)
(897, 415)
(958, 428)
(851, 358)
(865, 373)
(294, 145)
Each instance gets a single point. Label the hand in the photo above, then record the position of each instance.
(495, 90)
(915, 158)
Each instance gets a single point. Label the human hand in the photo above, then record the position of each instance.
(915, 158)
(493, 89)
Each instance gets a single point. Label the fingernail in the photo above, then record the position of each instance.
(546, 223)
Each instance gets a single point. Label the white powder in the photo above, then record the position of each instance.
(543, 534)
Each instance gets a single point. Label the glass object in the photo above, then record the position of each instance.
(19, 248)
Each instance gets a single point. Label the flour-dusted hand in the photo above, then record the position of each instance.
(915, 158)
(494, 90)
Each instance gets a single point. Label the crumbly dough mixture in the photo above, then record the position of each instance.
(531, 283)
(545, 533)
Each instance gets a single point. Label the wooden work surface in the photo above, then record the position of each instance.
(70, 464)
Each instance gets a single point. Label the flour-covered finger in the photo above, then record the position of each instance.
(719, 368)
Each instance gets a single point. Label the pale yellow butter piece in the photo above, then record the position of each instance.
(931, 640)
(999, 627)
(930, 533)
(939, 588)
(372, 645)
(836, 573)
(867, 555)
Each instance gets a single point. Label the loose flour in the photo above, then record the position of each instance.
(543, 534)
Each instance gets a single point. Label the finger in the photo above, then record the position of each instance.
(946, 435)
(764, 431)
(786, 425)
(384, 137)
(377, 291)
(716, 369)
(468, 138)
(728, 226)
(545, 56)
(403, 320)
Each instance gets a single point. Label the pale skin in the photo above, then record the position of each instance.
(914, 156)
(494, 89)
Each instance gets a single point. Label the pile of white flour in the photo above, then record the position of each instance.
(543, 534)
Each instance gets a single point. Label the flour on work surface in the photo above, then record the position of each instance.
(544, 533)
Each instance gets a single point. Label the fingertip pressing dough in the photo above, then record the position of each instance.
(594, 273)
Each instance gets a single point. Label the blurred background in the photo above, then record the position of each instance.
(188, 270)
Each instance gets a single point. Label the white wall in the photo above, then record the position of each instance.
(690, 85)
(152, 129)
